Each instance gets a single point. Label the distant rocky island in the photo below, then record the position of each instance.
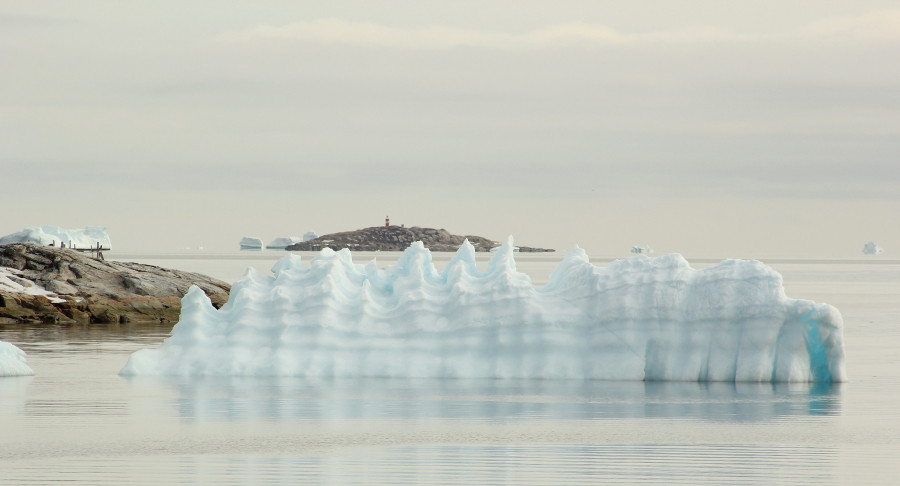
(40, 283)
(398, 238)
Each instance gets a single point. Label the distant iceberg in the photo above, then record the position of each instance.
(871, 248)
(642, 318)
(310, 235)
(641, 250)
(88, 237)
(282, 243)
(251, 243)
(12, 361)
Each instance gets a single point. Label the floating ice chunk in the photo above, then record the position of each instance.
(12, 361)
(251, 243)
(872, 248)
(640, 318)
(88, 237)
(281, 243)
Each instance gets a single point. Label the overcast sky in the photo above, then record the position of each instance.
(709, 128)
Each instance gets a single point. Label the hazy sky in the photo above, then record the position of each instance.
(709, 128)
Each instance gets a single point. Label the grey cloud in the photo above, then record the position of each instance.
(719, 168)
(873, 25)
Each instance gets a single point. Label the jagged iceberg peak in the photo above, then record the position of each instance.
(286, 264)
(503, 258)
(575, 263)
(416, 262)
(462, 268)
(639, 318)
(464, 258)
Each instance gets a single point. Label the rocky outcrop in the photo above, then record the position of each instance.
(92, 290)
(397, 238)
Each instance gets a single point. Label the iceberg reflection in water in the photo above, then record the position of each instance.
(274, 399)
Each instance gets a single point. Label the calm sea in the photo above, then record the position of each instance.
(77, 421)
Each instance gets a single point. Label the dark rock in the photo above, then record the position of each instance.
(96, 290)
(397, 238)
(60, 287)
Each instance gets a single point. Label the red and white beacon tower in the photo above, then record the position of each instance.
(387, 222)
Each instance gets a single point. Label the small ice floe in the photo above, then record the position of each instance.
(12, 361)
(251, 243)
(872, 248)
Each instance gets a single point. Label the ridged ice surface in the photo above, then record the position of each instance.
(636, 319)
(12, 361)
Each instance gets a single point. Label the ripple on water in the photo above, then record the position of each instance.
(459, 464)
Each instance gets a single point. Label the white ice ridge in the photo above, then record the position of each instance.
(46, 235)
(12, 361)
(640, 318)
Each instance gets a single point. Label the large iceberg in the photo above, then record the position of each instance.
(640, 318)
(88, 237)
(12, 361)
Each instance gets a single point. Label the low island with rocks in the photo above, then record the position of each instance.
(398, 238)
(40, 283)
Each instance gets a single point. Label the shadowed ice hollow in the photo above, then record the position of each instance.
(641, 318)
